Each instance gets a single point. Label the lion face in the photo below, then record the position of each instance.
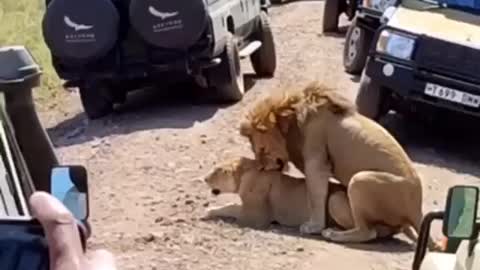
(270, 148)
(222, 180)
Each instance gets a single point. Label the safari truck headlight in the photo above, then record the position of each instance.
(395, 44)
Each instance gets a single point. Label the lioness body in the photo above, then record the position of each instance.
(271, 196)
(320, 132)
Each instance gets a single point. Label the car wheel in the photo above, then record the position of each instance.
(370, 100)
(227, 77)
(96, 99)
(264, 60)
(355, 51)
(331, 13)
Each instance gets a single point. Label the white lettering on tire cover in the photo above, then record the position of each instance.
(168, 25)
(78, 38)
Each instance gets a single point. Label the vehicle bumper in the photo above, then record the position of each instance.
(408, 83)
(132, 60)
(165, 71)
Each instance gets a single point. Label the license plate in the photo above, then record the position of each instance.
(452, 95)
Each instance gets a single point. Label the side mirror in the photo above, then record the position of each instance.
(18, 69)
(69, 184)
(461, 212)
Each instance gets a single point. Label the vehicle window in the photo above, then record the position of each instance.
(434, 4)
(422, 4)
(12, 202)
(8, 204)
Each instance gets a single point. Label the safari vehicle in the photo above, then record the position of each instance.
(365, 20)
(460, 225)
(425, 58)
(28, 161)
(108, 47)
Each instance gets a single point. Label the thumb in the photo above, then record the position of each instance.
(61, 231)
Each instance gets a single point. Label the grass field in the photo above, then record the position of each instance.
(20, 24)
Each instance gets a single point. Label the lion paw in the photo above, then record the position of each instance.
(311, 228)
(211, 212)
(329, 234)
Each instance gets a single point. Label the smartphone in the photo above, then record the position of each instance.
(22, 244)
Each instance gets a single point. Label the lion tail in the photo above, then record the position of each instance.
(411, 233)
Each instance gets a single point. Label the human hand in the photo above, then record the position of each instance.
(63, 238)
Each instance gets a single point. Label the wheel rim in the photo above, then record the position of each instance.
(353, 44)
(240, 83)
(238, 73)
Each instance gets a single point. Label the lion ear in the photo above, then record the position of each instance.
(339, 103)
(245, 129)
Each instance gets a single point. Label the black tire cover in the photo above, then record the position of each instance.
(172, 24)
(80, 30)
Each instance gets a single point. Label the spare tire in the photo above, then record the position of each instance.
(80, 30)
(170, 24)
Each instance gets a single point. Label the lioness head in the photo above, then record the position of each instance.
(225, 178)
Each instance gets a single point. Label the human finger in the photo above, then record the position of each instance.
(60, 231)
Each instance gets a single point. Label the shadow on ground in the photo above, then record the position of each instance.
(177, 107)
(450, 142)
(387, 245)
(342, 31)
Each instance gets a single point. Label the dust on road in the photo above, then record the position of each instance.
(146, 164)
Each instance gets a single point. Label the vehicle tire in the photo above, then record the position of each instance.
(331, 13)
(355, 51)
(369, 100)
(264, 60)
(96, 99)
(227, 77)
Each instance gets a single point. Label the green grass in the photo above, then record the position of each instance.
(21, 24)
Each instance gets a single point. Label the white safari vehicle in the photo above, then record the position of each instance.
(460, 226)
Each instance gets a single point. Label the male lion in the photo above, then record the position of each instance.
(323, 135)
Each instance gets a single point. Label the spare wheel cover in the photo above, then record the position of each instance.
(80, 30)
(172, 24)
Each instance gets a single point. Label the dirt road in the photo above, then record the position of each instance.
(146, 161)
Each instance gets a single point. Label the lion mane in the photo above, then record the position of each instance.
(265, 113)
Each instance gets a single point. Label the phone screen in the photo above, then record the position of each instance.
(22, 245)
(70, 188)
